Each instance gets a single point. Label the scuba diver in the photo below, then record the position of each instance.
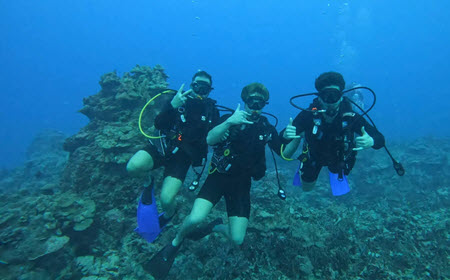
(238, 156)
(329, 126)
(355, 94)
(185, 122)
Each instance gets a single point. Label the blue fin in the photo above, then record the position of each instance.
(297, 182)
(338, 187)
(147, 215)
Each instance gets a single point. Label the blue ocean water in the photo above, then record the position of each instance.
(52, 54)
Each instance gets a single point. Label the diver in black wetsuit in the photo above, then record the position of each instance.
(329, 127)
(185, 122)
(239, 155)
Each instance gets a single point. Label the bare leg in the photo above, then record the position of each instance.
(199, 212)
(235, 230)
(170, 188)
(140, 163)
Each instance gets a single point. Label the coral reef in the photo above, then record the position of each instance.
(71, 214)
(112, 135)
(45, 161)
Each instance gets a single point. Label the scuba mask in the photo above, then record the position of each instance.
(201, 88)
(330, 95)
(331, 109)
(256, 103)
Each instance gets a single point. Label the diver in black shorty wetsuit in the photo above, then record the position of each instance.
(239, 155)
(185, 122)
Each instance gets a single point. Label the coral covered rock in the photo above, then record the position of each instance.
(53, 244)
(100, 150)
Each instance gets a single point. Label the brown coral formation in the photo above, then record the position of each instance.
(112, 135)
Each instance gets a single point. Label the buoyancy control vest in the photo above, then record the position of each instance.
(244, 150)
(342, 159)
(189, 131)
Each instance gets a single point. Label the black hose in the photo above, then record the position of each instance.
(362, 110)
(273, 116)
(281, 192)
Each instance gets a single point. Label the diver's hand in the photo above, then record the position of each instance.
(364, 141)
(180, 98)
(239, 117)
(290, 132)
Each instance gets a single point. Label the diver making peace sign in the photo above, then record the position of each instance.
(184, 123)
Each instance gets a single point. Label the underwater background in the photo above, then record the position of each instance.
(52, 54)
(69, 207)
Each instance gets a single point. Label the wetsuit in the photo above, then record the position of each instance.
(331, 144)
(186, 129)
(246, 160)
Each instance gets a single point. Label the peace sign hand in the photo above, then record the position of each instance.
(180, 98)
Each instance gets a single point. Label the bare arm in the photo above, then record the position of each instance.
(220, 132)
(290, 148)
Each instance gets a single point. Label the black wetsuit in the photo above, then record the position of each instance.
(248, 160)
(186, 129)
(332, 143)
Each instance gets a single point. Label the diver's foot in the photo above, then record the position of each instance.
(163, 221)
(169, 252)
(206, 230)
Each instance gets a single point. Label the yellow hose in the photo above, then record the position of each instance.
(142, 112)
(209, 169)
(282, 156)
